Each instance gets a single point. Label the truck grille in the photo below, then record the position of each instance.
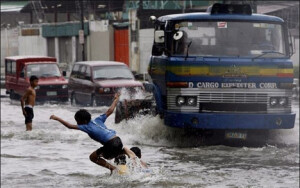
(51, 91)
(233, 102)
(227, 100)
(233, 98)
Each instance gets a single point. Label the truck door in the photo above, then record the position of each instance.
(11, 76)
(8, 75)
(22, 83)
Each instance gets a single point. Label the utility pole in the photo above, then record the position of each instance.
(82, 28)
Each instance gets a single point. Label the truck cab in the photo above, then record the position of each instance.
(224, 69)
(52, 84)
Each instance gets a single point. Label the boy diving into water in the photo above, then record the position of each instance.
(97, 130)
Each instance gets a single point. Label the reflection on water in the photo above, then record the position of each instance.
(54, 156)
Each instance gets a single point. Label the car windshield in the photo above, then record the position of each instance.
(112, 72)
(246, 39)
(43, 70)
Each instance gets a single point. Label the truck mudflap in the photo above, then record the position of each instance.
(128, 109)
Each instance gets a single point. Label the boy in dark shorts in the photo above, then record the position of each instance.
(29, 100)
(97, 130)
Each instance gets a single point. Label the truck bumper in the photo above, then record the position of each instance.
(229, 121)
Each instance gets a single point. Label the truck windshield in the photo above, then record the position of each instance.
(43, 70)
(112, 72)
(243, 39)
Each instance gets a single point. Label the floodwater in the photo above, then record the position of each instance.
(54, 156)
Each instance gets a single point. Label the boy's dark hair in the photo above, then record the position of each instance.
(82, 116)
(137, 151)
(32, 78)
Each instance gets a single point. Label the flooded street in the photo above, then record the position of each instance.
(54, 156)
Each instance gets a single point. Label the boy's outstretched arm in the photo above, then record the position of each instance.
(68, 125)
(113, 105)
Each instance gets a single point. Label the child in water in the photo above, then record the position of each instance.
(97, 130)
(120, 161)
(28, 102)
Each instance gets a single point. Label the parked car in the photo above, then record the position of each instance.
(94, 83)
(52, 84)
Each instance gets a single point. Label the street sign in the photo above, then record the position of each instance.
(81, 36)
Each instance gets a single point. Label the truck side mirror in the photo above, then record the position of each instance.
(178, 35)
(64, 73)
(22, 75)
(152, 19)
(159, 36)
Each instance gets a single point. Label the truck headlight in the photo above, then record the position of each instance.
(282, 101)
(180, 101)
(273, 101)
(64, 86)
(191, 101)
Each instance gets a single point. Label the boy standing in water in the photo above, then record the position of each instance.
(97, 130)
(29, 100)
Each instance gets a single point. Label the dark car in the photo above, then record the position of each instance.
(94, 83)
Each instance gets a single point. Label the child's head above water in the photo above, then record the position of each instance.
(136, 151)
(82, 116)
(121, 159)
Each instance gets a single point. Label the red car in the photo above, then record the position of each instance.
(52, 84)
(94, 83)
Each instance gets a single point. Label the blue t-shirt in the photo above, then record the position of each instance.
(97, 130)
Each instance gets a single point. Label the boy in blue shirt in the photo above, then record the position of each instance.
(97, 130)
